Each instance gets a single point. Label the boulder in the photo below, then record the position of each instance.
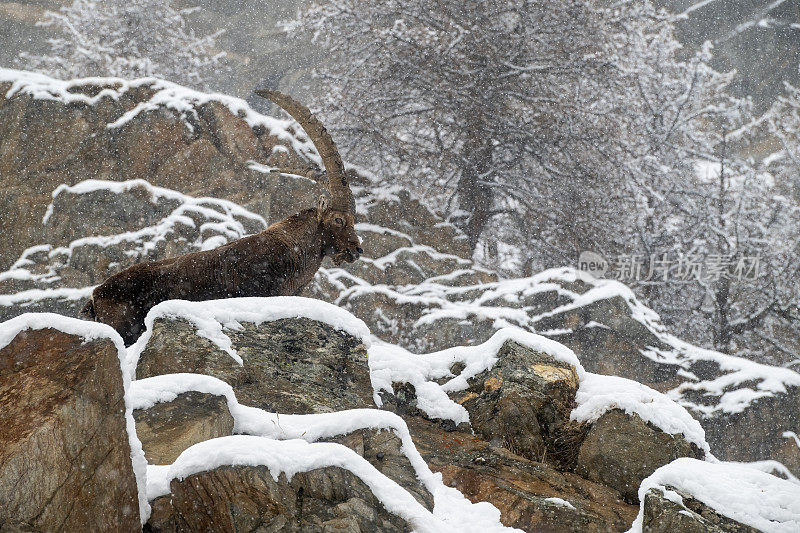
(249, 498)
(168, 428)
(530, 495)
(47, 142)
(65, 459)
(620, 450)
(667, 515)
(523, 402)
(293, 366)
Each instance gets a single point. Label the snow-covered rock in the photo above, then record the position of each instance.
(282, 486)
(69, 457)
(620, 450)
(278, 353)
(167, 428)
(476, 385)
(691, 495)
(61, 132)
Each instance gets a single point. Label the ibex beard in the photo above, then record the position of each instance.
(279, 261)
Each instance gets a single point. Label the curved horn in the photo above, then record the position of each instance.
(341, 196)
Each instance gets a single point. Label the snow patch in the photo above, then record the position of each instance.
(561, 502)
(212, 317)
(598, 394)
(31, 296)
(742, 493)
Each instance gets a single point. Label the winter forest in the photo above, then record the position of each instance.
(569, 211)
(541, 130)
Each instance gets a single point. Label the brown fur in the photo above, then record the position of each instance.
(279, 261)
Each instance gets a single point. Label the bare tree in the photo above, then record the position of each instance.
(544, 129)
(128, 38)
(483, 106)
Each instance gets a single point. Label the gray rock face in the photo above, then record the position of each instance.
(620, 450)
(65, 460)
(665, 516)
(293, 366)
(44, 143)
(383, 451)
(249, 499)
(523, 402)
(168, 428)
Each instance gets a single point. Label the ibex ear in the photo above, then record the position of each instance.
(322, 206)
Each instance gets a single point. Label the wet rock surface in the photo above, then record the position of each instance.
(65, 460)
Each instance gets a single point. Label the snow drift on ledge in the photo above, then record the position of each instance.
(166, 94)
(285, 447)
(742, 493)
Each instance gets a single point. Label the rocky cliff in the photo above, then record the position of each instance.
(101, 174)
(263, 414)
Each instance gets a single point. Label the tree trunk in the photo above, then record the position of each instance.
(722, 326)
(474, 196)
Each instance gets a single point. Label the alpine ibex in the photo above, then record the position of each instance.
(279, 261)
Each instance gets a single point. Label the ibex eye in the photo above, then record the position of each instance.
(339, 221)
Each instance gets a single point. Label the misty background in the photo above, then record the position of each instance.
(674, 150)
(759, 39)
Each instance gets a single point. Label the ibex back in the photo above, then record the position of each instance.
(279, 261)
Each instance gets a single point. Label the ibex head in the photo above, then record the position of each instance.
(337, 216)
(340, 241)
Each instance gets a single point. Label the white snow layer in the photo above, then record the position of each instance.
(596, 394)
(560, 501)
(156, 193)
(451, 507)
(90, 331)
(166, 95)
(739, 492)
(290, 457)
(769, 466)
(212, 317)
